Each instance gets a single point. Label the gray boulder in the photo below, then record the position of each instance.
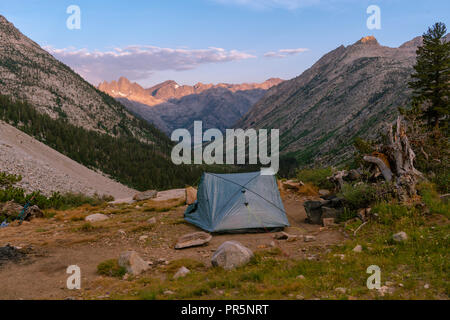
(328, 222)
(149, 194)
(399, 237)
(182, 272)
(309, 238)
(230, 255)
(34, 212)
(96, 217)
(11, 209)
(193, 240)
(330, 213)
(152, 220)
(132, 262)
(313, 211)
(336, 202)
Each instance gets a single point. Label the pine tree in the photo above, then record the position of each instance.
(431, 79)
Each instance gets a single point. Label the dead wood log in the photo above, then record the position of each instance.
(401, 158)
(338, 178)
(385, 171)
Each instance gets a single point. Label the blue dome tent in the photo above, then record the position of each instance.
(237, 202)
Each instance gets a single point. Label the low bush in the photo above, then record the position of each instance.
(88, 227)
(390, 213)
(362, 195)
(55, 201)
(432, 200)
(358, 196)
(317, 177)
(111, 268)
(8, 180)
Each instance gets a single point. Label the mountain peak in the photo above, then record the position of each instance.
(3, 21)
(123, 79)
(369, 40)
(8, 31)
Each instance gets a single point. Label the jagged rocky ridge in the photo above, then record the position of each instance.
(170, 106)
(351, 91)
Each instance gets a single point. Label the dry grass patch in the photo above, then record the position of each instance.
(308, 189)
(163, 206)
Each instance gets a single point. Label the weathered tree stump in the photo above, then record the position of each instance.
(400, 156)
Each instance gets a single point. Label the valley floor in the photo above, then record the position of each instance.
(326, 268)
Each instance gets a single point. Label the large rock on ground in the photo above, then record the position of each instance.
(182, 272)
(400, 237)
(149, 194)
(230, 255)
(34, 212)
(96, 217)
(191, 195)
(11, 209)
(132, 262)
(313, 211)
(193, 240)
(171, 194)
(330, 213)
(293, 185)
(318, 210)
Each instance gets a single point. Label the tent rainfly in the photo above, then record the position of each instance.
(237, 202)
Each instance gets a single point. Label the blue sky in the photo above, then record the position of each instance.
(211, 41)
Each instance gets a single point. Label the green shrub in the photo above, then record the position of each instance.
(347, 214)
(442, 181)
(8, 180)
(432, 200)
(55, 201)
(389, 213)
(317, 176)
(358, 196)
(362, 195)
(87, 227)
(111, 268)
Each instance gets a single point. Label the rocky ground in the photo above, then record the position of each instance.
(45, 169)
(307, 262)
(54, 244)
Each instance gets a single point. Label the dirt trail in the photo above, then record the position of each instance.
(58, 243)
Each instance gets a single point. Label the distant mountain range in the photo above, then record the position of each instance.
(350, 92)
(169, 90)
(171, 106)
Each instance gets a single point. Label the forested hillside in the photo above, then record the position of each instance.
(128, 160)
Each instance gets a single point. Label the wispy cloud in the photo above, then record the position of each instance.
(283, 53)
(267, 4)
(139, 62)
